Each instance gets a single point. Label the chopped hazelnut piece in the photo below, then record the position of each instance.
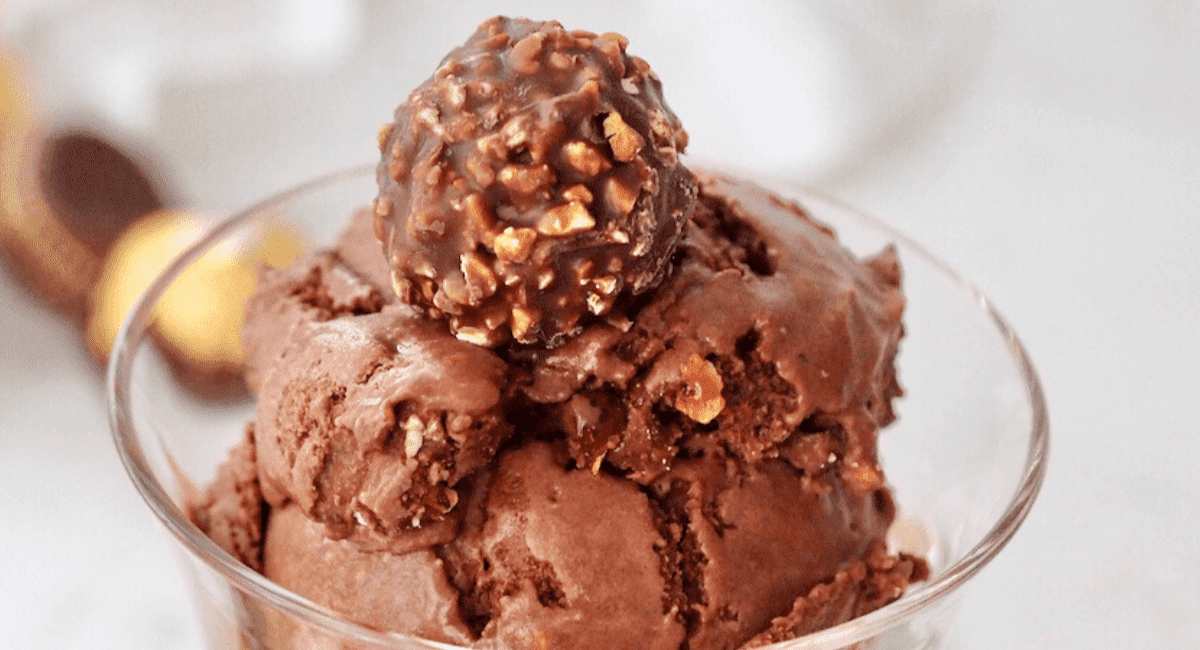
(522, 320)
(611, 45)
(428, 117)
(494, 318)
(640, 67)
(526, 179)
(480, 170)
(578, 194)
(477, 335)
(515, 132)
(566, 219)
(424, 269)
(385, 132)
(620, 197)
(481, 282)
(660, 126)
(451, 496)
(478, 212)
(596, 304)
(495, 41)
(455, 290)
(456, 95)
(399, 284)
(701, 398)
(514, 244)
(584, 269)
(414, 436)
(492, 146)
(525, 55)
(397, 170)
(585, 159)
(625, 142)
(383, 207)
(590, 88)
(560, 61)
(434, 176)
(606, 284)
(860, 478)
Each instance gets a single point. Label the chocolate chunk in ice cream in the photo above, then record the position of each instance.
(368, 412)
(533, 180)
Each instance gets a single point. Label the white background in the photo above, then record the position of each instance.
(1051, 154)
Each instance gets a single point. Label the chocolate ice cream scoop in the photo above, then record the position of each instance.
(533, 180)
(368, 414)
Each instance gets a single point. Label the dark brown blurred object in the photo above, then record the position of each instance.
(75, 210)
(64, 200)
(36, 246)
(94, 189)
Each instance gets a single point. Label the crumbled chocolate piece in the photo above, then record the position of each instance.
(533, 180)
(230, 509)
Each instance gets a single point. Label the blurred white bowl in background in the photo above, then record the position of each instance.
(241, 99)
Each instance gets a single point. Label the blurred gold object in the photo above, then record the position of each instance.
(12, 95)
(134, 261)
(198, 319)
(83, 225)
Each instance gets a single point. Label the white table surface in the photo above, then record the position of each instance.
(1064, 179)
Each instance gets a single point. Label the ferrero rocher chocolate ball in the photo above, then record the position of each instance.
(533, 180)
(198, 317)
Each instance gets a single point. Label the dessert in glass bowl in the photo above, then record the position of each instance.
(538, 385)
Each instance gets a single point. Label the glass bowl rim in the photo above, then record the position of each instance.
(136, 326)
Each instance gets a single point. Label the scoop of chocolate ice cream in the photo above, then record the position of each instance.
(368, 413)
(769, 337)
(756, 536)
(533, 180)
(553, 557)
(406, 592)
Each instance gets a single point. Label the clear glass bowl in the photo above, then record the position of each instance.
(966, 457)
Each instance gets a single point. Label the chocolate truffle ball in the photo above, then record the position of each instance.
(532, 181)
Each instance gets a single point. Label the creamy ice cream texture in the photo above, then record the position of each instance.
(690, 463)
